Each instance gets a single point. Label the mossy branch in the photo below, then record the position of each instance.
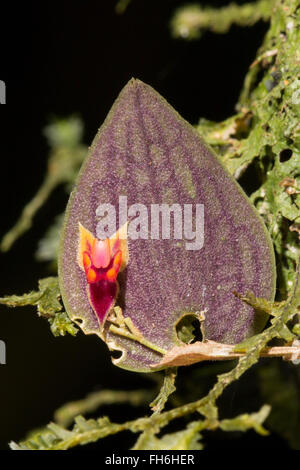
(47, 301)
(167, 388)
(147, 438)
(190, 21)
(67, 153)
(65, 415)
(264, 135)
(55, 437)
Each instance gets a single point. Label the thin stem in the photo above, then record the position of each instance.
(140, 339)
(25, 221)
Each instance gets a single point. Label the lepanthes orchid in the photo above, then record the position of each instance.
(101, 261)
(147, 152)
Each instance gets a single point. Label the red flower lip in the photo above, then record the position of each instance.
(101, 261)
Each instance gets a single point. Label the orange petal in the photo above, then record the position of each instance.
(118, 242)
(111, 275)
(91, 275)
(117, 261)
(86, 259)
(85, 244)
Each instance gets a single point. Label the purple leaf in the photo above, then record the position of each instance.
(147, 153)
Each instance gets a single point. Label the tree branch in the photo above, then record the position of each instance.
(189, 21)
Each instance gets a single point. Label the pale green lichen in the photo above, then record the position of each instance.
(55, 437)
(67, 153)
(190, 21)
(266, 134)
(47, 301)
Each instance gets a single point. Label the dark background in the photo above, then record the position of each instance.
(62, 57)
